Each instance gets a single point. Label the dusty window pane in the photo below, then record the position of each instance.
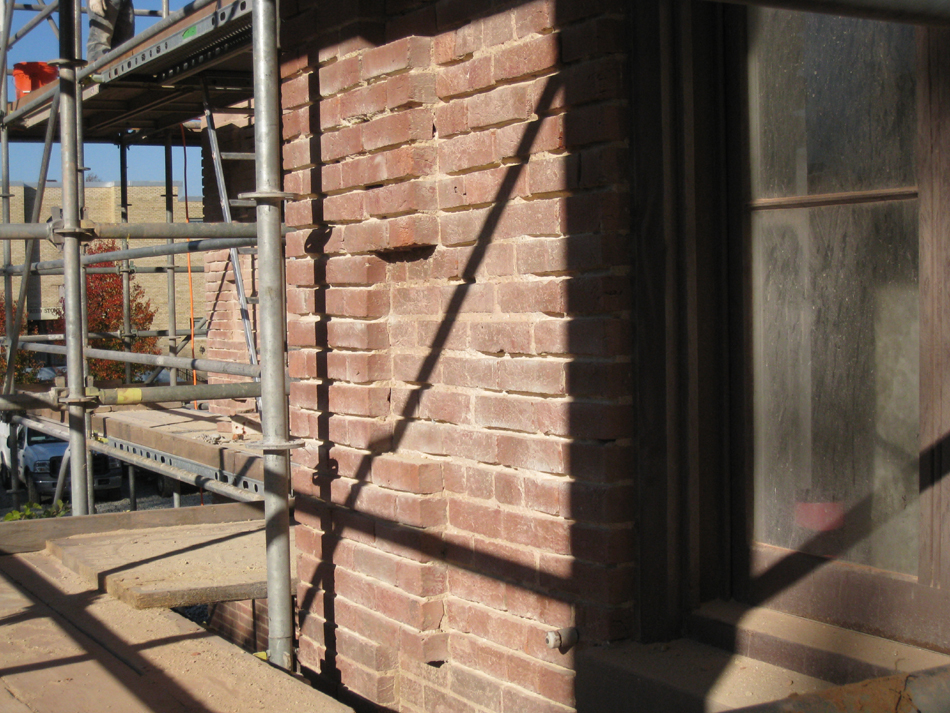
(832, 104)
(836, 379)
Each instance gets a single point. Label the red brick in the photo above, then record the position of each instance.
(596, 124)
(540, 135)
(424, 511)
(363, 102)
(475, 587)
(474, 517)
(302, 363)
(532, 453)
(602, 35)
(502, 105)
(305, 212)
(338, 76)
(478, 689)
(343, 208)
(423, 579)
(330, 116)
(401, 198)
(379, 688)
(534, 16)
(497, 28)
(412, 475)
(466, 152)
(372, 655)
(464, 78)
(299, 154)
(451, 118)
(356, 432)
(407, 53)
(359, 400)
(500, 337)
(527, 58)
(410, 89)
(339, 144)
(355, 270)
(303, 333)
(357, 302)
(413, 231)
(357, 335)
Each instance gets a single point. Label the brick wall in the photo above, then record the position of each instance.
(243, 623)
(459, 343)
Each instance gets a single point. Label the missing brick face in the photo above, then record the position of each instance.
(423, 252)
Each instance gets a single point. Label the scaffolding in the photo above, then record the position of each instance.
(207, 53)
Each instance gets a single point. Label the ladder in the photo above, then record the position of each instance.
(226, 204)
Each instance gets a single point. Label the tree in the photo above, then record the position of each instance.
(104, 309)
(26, 364)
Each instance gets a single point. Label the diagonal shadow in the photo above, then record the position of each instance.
(70, 612)
(324, 576)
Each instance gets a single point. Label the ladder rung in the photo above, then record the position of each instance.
(247, 251)
(238, 156)
(253, 300)
(238, 203)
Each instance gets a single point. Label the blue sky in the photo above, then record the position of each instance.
(145, 163)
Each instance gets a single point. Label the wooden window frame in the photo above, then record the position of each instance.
(692, 354)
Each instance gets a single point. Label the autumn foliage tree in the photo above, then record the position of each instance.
(26, 364)
(104, 309)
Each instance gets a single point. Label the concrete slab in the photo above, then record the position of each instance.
(66, 647)
(680, 677)
(173, 566)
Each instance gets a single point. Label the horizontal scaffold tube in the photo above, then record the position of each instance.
(192, 246)
(212, 365)
(158, 394)
(105, 335)
(139, 231)
(24, 401)
(200, 481)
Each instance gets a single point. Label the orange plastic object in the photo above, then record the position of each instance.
(28, 76)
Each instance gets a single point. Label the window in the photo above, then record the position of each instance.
(839, 331)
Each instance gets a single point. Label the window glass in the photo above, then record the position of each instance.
(833, 104)
(835, 325)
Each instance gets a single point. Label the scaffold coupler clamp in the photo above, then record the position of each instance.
(85, 233)
(268, 196)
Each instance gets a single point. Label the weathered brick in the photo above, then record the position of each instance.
(465, 78)
(526, 58)
(502, 105)
(466, 152)
(407, 53)
(358, 367)
(355, 270)
(339, 76)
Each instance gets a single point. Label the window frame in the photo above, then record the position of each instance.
(695, 446)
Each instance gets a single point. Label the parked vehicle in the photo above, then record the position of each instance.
(40, 456)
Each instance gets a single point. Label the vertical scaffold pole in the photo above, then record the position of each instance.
(274, 417)
(72, 267)
(126, 290)
(6, 17)
(170, 262)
